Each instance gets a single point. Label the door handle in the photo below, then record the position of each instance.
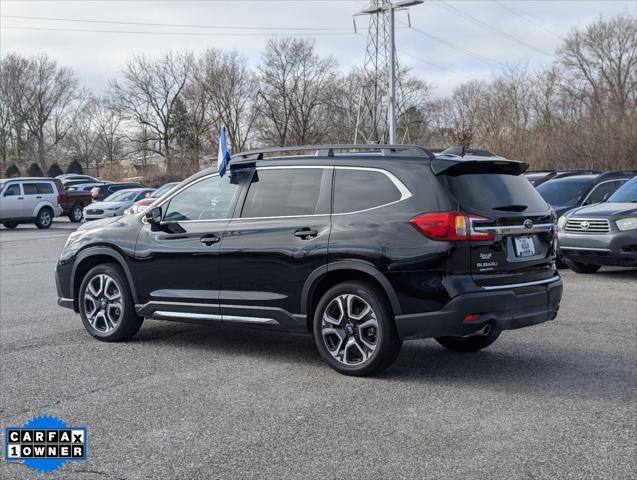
(20, 198)
(306, 233)
(39, 196)
(209, 239)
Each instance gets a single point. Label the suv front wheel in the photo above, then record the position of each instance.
(354, 330)
(106, 305)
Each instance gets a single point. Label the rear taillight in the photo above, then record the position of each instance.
(453, 226)
(59, 198)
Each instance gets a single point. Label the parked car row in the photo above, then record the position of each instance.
(40, 199)
(597, 216)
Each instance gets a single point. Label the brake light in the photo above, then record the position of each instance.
(452, 226)
(59, 198)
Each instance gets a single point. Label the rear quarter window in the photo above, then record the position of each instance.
(486, 191)
(356, 190)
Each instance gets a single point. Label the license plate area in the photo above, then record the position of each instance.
(524, 246)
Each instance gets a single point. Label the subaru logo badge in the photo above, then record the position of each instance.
(528, 223)
(585, 225)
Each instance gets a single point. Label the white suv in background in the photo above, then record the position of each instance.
(29, 199)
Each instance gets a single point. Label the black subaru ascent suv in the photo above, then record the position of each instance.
(362, 246)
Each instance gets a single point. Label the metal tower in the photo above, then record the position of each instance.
(380, 97)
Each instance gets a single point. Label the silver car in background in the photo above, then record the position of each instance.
(115, 204)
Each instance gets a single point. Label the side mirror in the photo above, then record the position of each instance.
(8, 193)
(153, 216)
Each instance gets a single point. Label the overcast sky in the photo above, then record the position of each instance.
(529, 31)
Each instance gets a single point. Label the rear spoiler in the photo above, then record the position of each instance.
(453, 167)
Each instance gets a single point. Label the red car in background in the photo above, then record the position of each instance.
(144, 203)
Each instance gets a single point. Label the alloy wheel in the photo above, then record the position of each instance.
(103, 303)
(45, 218)
(349, 329)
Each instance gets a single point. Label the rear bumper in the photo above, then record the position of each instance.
(505, 309)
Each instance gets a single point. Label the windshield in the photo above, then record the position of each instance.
(122, 196)
(563, 192)
(627, 193)
(2, 184)
(163, 190)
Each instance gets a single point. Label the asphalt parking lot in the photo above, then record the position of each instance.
(188, 402)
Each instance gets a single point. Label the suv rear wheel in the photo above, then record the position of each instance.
(471, 343)
(75, 215)
(44, 218)
(354, 330)
(106, 305)
(582, 267)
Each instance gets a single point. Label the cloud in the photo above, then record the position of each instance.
(97, 56)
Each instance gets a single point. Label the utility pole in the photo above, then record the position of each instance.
(378, 8)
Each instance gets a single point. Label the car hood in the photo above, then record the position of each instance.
(605, 210)
(107, 205)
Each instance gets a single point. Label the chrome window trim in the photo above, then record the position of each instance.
(402, 189)
(602, 183)
(524, 284)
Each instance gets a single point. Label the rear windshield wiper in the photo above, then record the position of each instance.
(512, 208)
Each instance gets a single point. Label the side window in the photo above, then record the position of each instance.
(30, 188)
(283, 192)
(44, 188)
(13, 189)
(208, 199)
(602, 191)
(356, 190)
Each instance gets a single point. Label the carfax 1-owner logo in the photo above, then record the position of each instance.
(45, 443)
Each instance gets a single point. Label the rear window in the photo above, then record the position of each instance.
(356, 190)
(493, 191)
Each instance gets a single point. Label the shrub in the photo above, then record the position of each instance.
(75, 167)
(34, 170)
(12, 171)
(54, 170)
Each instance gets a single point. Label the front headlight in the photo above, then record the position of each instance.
(561, 222)
(629, 223)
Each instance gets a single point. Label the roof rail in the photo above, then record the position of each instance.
(328, 150)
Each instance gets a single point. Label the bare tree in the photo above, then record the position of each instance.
(108, 125)
(47, 99)
(294, 90)
(147, 94)
(230, 89)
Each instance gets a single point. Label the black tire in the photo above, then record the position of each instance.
(44, 219)
(10, 225)
(128, 323)
(471, 343)
(76, 213)
(582, 267)
(380, 332)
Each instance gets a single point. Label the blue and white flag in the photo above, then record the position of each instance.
(223, 158)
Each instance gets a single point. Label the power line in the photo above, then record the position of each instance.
(432, 64)
(490, 27)
(482, 58)
(528, 19)
(228, 27)
(191, 34)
